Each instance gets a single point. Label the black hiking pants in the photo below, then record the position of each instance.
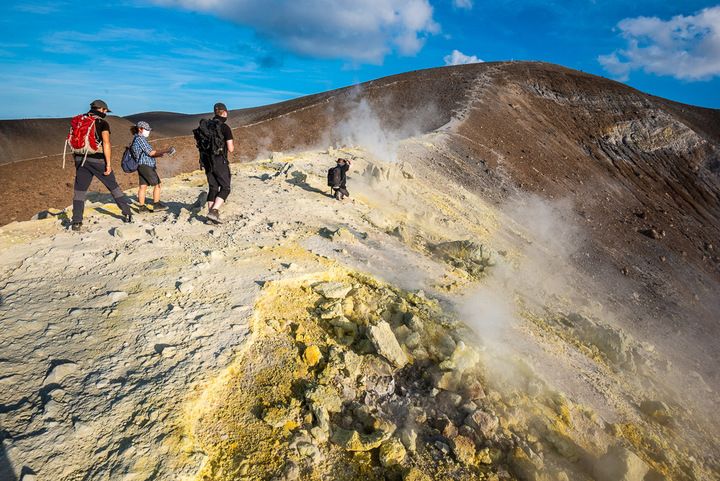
(341, 191)
(83, 177)
(217, 170)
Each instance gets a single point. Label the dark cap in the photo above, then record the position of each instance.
(99, 104)
(220, 107)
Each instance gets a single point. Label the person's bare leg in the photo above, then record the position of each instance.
(219, 201)
(141, 194)
(156, 194)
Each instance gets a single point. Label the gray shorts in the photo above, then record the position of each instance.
(148, 175)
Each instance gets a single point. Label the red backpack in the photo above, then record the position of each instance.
(82, 139)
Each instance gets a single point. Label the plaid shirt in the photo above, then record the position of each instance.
(141, 149)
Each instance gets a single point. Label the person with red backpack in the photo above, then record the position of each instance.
(89, 140)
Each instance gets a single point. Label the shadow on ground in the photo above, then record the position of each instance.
(6, 469)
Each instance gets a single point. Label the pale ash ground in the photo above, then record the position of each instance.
(111, 336)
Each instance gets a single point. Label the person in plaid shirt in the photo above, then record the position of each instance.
(147, 171)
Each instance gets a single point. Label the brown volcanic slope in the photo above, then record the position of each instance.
(642, 173)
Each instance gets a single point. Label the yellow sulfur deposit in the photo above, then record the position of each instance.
(312, 355)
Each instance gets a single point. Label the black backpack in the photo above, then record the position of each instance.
(334, 177)
(209, 137)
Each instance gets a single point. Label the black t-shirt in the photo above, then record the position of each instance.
(225, 128)
(101, 125)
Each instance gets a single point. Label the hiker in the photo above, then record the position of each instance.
(337, 179)
(147, 165)
(89, 140)
(214, 140)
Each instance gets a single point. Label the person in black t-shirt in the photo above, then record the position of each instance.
(97, 165)
(217, 167)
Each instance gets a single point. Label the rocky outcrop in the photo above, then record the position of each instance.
(467, 255)
(620, 464)
(386, 344)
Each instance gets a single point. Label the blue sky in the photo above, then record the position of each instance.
(183, 55)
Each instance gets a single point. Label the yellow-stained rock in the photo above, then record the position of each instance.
(352, 440)
(464, 449)
(312, 355)
(414, 474)
(392, 452)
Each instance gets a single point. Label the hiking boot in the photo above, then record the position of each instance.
(214, 216)
(127, 218)
(75, 226)
(159, 206)
(143, 208)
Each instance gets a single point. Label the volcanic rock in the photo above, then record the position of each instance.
(331, 310)
(464, 449)
(482, 422)
(414, 474)
(408, 436)
(326, 397)
(386, 344)
(312, 355)
(332, 290)
(60, 372)
(656, 410)
(352, 440)
(392, 452)
(117, 296)
(464, 254)
(527, 467)
(620, 464)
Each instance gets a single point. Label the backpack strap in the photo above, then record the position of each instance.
(95, 119)
(132, 152)
(65, 152)
(94, 133)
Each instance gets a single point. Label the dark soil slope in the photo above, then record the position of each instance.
(40, 138)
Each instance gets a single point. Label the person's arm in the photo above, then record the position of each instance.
(107, 150)
(149, 151)
(159, 153)
(227, 132)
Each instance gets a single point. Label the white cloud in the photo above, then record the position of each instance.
(685, 47)
(358, 30)
(459, 58)
(464, 4)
